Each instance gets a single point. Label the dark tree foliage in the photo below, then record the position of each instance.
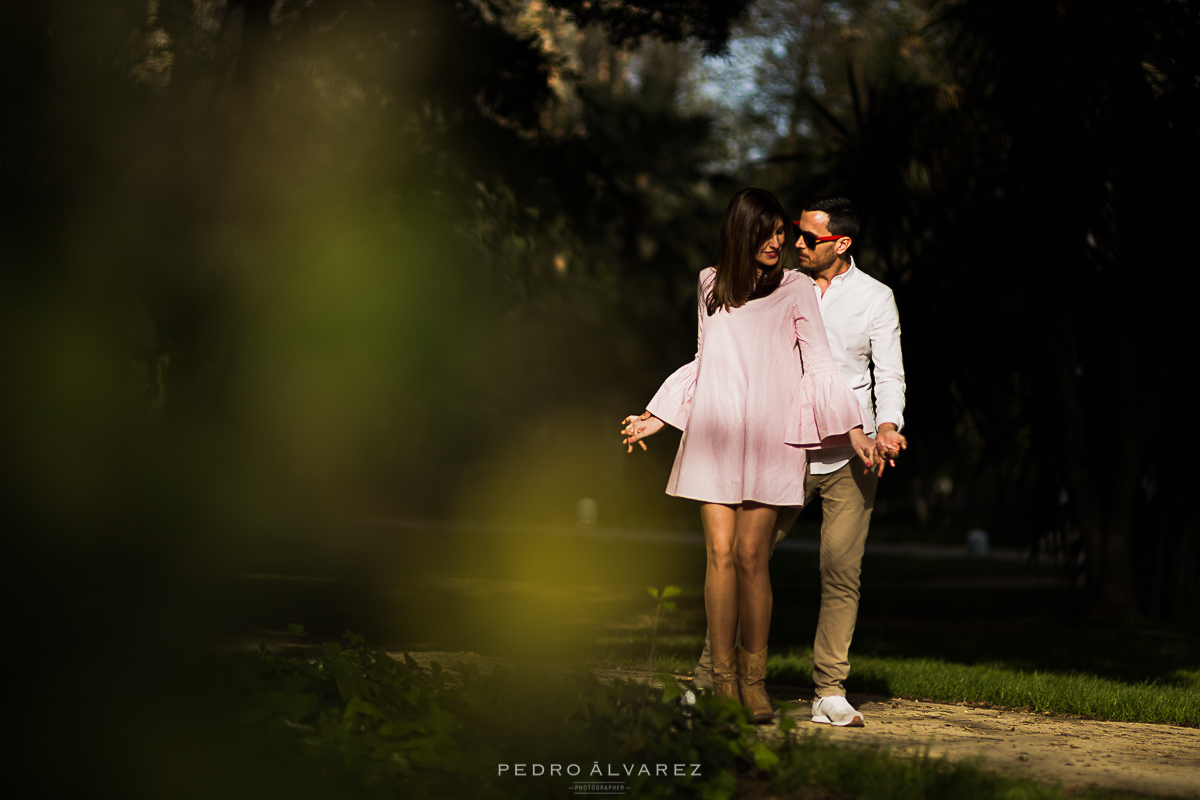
(229, 250)
(1028, 211)
(1098, 108)
(628, 21)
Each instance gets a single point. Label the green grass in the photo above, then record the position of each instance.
(1171, 702)
(1078, 694)
(983, 646)
(951, 630)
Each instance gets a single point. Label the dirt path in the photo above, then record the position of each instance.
(1149, 759)
(1157, 759)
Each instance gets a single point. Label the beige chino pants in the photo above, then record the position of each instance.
(847, 500)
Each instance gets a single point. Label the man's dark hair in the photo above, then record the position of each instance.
(844, 219)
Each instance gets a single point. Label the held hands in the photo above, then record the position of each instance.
(864, 446)
(635, 429)
(888, 444)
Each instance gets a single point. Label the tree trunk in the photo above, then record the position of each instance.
(1104, 506)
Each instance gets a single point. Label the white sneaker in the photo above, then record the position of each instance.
(835, 710)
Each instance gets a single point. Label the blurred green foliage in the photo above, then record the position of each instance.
(373, 725)
(269, 264)
(355, 257)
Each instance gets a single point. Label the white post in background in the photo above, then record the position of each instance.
(589, 512)
(977, 544)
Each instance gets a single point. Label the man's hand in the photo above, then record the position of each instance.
(637, 428)
(888, 444)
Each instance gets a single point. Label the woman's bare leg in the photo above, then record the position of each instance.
(754, 531)
(720, 578)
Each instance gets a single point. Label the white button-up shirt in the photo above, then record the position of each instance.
(864, 333)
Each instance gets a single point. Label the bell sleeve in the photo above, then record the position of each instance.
(672, 403)
(823, 404)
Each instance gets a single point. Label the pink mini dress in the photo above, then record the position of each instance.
(762, 389)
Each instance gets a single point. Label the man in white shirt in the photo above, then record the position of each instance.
(864, 334)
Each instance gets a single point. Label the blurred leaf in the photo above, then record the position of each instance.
(357, 707)
(764, 759)
(671, 688)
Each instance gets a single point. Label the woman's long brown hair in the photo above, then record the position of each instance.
(750, 219)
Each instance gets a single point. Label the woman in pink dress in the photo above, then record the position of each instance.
(762, 389)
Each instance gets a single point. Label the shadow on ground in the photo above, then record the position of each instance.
(571, 594)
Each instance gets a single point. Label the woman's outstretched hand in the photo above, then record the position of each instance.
(865, 447)
(635, 429)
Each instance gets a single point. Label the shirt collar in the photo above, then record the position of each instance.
(847, 275)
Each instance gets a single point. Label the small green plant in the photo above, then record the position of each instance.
(664, 602)
(375, 726)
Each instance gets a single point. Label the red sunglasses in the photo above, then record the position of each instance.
(811, 240)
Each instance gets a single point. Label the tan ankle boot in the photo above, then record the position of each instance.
(724, 674)
(751, 678)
